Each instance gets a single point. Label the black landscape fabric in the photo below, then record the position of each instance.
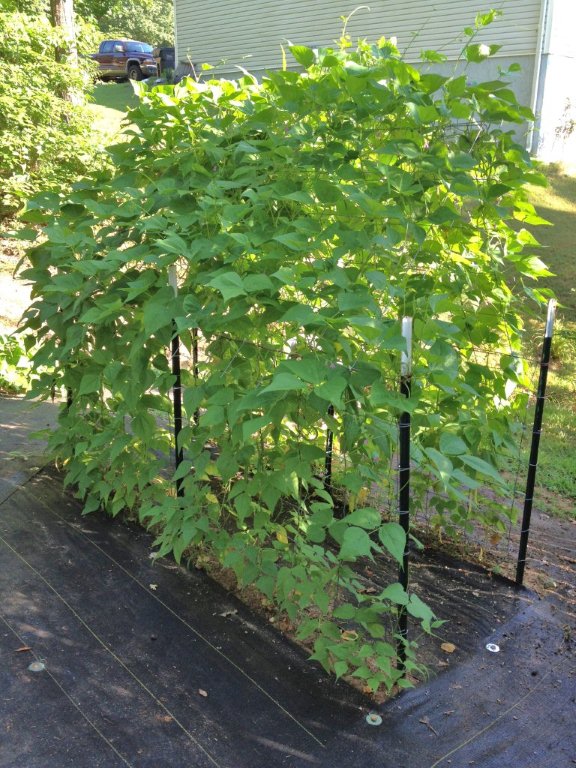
(143, 663)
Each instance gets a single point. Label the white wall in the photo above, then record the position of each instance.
(561, 35)
(555, 138)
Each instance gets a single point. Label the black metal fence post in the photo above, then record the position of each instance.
(535, 445)
(177, 387)
(195, 368)
(404, 480)
(328, 455)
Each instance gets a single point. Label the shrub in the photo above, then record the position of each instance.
(45, 141)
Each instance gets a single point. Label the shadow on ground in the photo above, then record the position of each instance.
(142, 663)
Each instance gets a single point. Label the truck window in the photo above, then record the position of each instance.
(107, 46)
(139, 48)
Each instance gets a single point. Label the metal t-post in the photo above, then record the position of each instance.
(328, 455)
(536, 432)
(195, 368)
(404, 480)
(177, 388)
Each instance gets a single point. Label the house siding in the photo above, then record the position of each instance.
(250, 33)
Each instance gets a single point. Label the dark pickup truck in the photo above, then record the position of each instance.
(118, 59)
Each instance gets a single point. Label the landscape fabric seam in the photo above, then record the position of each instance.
(20, 486)
(110, 651)
(68, 696)
(496, 720)
(181, 620)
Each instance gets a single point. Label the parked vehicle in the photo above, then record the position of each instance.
(123, 58)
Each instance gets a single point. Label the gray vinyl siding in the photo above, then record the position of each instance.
(250, 32)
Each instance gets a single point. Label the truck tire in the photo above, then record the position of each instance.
(134, 72)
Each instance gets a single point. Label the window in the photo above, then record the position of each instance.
(138, 48)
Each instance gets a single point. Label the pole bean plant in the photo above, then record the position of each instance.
(305, 215)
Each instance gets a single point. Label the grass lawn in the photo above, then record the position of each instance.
(557, 466)
(110, 102)
(557, 204)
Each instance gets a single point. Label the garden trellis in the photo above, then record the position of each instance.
(507, 499)
(307, 215)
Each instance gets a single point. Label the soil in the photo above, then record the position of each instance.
(473, 597)
(550, 569)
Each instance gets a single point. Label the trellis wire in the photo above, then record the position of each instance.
(536, 432)
(404, 426)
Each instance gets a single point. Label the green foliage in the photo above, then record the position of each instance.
(15, 364)
(44, 140)
(149, 20)
(29, 7)
(557, 459)
(305, 215)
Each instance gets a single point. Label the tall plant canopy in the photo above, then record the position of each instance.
(305, 215)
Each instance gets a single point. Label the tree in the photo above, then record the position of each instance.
(45, 141)
(62, 18)
(30, 7)
(148, 20)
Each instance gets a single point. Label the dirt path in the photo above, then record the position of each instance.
(14, 294)
(15, 298)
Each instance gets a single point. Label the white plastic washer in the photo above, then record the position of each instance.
(492, 647)
(373, 719)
